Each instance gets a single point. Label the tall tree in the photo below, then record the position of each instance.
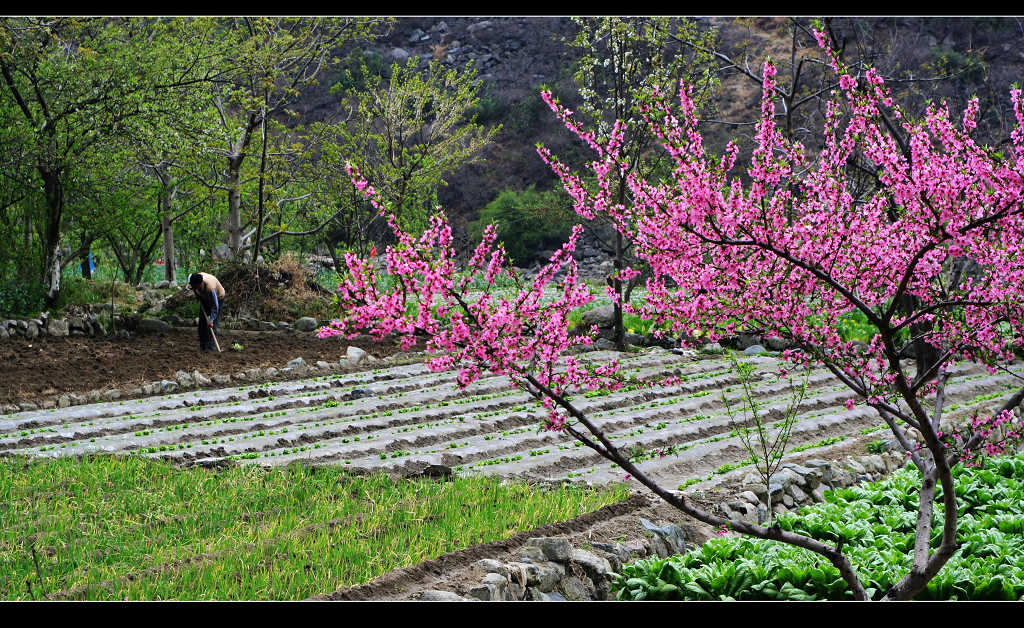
(406, 132)
(272, 58)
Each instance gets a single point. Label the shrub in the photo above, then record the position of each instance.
(527, 221)
(21, 297)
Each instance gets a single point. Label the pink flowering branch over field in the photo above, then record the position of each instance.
(931, 257)
(523, 335)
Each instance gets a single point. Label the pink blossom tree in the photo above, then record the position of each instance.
(931, 257)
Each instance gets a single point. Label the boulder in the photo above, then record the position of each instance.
(152, 326)
(306, 323)
(56, 327)
(200, 379)
(297, 366)
(603, 316)
(184, 379)
(554, 548)
(355, 355)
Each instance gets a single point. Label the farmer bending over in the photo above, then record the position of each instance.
(211, 299)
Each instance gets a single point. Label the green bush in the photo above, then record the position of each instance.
(877, 523)
(21, 297)
(527, 221)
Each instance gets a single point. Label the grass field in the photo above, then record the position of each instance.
(126, 528)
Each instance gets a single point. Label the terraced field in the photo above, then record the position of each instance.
(402, 419)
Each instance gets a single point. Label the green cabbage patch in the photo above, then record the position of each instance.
(876, 522)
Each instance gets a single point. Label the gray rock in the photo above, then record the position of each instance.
(152, 326)
(798, 495)
(874, 464)
(777, 344)
(57, 328)
(576, 589)
(672, 534)
(754, 350)
(614, 562)
(32, 330)
(595, 566)
(267, 326)
(112, 394)
(298, 365)
(221, 380)
(489, 565)
(603, 316)
(787, 500)
(98, 328)
(532, 554)
(167, 386)
(554, 548)
(283, 325)
(854, 466)
(433, 595)
(549, 574)
(200, 379)
(823, 467)
(270, 372)
(25, 406)
(63, 401)
(322, 365)
(354, 355)
(638, 548)
(3, 333)
(306, 323)
(749, 497)
(184, 379)
(617, 549)
(818, 494)
(712, 347)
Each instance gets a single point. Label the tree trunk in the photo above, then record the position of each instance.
(86, 270)
(167, 230)
(620, 328)
(54, 193)
(234, 205)
(170, 263)
(259, 199)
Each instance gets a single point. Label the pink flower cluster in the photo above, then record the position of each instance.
(467, 322)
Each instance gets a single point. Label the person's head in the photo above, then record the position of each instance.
(195, 280)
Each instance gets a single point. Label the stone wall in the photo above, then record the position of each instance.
(551, 569)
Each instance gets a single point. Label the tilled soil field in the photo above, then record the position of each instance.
(402, 419)
(48, 366)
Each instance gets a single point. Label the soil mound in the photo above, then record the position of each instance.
(283, 290)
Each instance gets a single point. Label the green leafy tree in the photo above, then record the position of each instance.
(406, 133)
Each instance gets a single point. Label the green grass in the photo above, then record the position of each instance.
(124, 527)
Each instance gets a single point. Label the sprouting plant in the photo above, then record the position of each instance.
(765, 449)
